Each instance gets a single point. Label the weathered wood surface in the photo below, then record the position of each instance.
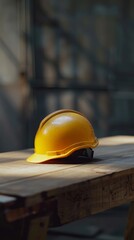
(76, 190)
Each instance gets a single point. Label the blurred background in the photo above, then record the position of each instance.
(65, 54)
(68, 54)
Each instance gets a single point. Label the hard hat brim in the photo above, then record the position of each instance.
(38, 158)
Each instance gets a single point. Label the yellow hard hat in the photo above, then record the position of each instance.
(62, 133)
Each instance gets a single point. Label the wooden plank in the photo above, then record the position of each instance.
(94, 196)
(88, 188)
(15, 171)
(15, 168)
(71, 175)
(86, 198)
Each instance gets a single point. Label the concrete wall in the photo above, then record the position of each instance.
(13, 92)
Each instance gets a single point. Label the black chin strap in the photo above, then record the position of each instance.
(86, 153)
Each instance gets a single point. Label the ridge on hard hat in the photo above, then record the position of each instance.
(60, 134)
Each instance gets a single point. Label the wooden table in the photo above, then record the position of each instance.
(35, 196)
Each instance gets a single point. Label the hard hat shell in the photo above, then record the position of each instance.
(62, 133)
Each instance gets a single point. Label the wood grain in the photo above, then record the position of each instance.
(79, 189)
